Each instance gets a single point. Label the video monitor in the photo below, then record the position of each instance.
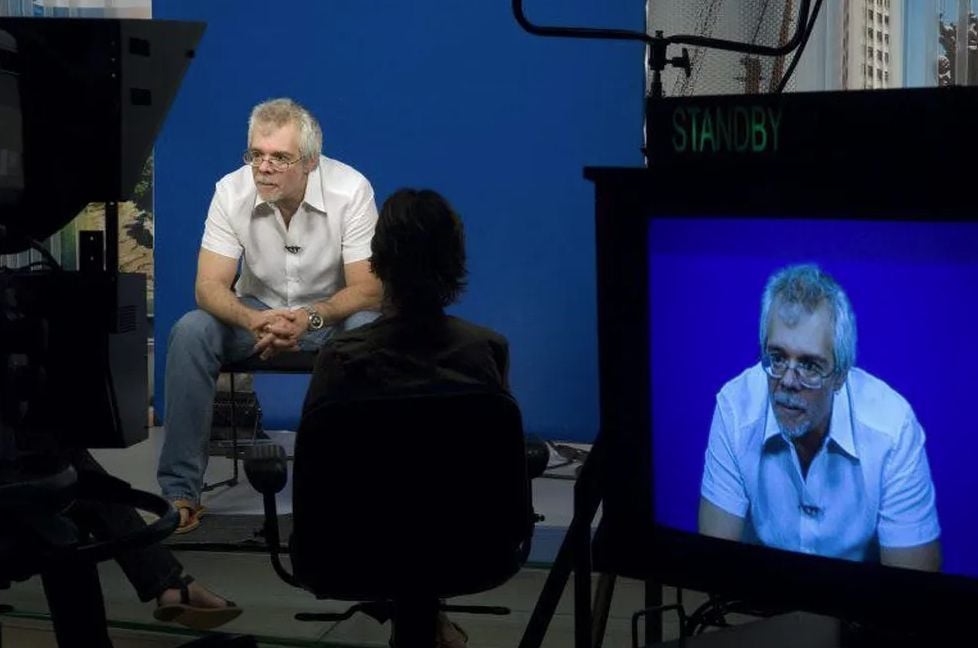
(815, 453)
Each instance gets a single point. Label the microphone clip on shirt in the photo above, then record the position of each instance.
(294, 249)
(810, 509)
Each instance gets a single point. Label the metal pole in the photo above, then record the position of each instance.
(961, 44)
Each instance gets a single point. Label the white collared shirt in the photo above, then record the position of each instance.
(869, 485)
(332, 227)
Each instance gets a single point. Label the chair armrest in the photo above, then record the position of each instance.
(266, 469)
(537, 456)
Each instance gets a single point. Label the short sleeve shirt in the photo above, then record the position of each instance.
(288, 268)
(868, 486)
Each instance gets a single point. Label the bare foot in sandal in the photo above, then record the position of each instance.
(193, 605)
(190, 514)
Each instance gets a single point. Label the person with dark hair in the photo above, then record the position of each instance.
(809, 453)
(418, 253)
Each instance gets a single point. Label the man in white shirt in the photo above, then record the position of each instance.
(300, 225)
(811, 454)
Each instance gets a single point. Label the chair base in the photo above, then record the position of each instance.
(413, 622)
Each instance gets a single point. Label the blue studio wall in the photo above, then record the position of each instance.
(445, 94)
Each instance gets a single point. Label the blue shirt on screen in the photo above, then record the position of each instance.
(868, 486)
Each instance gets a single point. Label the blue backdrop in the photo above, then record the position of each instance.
(912, 288)
(444, 94)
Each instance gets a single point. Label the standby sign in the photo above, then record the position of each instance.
(841, 129)
(726, 129)
(734, 127)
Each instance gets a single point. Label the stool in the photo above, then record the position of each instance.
(293, 362)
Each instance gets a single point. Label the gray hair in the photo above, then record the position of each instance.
(279, 112)
(805, 285)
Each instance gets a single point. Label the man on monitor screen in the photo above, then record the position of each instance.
(810, 454)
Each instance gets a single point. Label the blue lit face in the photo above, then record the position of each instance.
(804, 338)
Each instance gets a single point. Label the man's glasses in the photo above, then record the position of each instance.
(278, 161)
(811, 374)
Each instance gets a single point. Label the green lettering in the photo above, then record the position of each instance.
(694, 129)
(741, 123)
(758, 134)
(707, 131)
(774, 116)
(724, 129)
(679, 138)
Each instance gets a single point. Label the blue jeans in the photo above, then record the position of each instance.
(198, 345)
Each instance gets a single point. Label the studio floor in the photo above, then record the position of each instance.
(242, 573)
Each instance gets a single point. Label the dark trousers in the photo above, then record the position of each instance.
(150, 569)
(72, 587)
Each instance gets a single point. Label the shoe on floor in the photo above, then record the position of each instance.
(194, 616)
(189, 520)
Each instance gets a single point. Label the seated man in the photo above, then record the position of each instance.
(807, 452)
(419, 256)
(300, 224)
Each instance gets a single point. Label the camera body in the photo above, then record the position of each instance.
(73, 357)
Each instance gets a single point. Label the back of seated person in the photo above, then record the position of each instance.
(418, 253)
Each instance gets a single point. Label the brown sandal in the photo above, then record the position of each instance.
(194, 513)
(192, 616)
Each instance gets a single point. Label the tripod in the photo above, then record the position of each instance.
(575, 555)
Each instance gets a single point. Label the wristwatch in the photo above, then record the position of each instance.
(315, 319)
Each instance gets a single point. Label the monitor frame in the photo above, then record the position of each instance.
(628, 542)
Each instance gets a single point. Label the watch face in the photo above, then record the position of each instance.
(315, 320)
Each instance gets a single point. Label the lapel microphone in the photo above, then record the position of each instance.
(294, 249)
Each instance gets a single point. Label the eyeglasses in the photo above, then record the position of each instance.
(811, 375)
(278, 161)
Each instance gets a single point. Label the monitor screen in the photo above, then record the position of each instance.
(894, 468)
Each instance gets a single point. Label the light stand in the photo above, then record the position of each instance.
(575, 550)
(658, 45)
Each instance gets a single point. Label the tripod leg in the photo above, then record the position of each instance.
(653, 622)
(602, 606)
(574, 553)
(546, 605)
(74, 596)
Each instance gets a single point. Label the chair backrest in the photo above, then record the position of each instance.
(421, 494)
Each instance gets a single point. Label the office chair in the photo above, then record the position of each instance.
(399, 502)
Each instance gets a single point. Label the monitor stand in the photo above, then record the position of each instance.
(795, 629)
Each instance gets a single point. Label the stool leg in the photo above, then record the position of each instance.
(602, 606)
(233, 480)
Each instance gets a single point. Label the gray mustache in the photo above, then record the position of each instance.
(788, 400)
